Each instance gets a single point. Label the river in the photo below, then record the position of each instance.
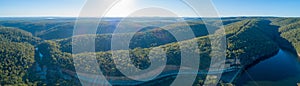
(282, 69)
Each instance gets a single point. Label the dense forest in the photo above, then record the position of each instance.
(17, 56)
(37, 51)
(290, 32)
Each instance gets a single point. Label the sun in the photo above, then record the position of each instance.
(122, 8)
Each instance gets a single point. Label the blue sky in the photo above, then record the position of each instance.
(71, 8)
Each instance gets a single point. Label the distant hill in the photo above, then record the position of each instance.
(145, 38)
(17, 35)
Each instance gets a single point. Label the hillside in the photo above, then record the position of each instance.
(291, 32)
(16, 55)
(246, 42)
(16, 58)
(143, 39)
(17, 35)
(45, 58)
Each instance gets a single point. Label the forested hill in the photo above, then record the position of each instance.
(243, 37)
(145, 38)
(17, 35)
(16, 56)
(63, 27)
(39, 53)
(290, 30)
(246, 42)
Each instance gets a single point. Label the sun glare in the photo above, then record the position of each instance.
(122, 8)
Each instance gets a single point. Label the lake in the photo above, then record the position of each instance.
(282, 69)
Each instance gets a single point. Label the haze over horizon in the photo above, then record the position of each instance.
(72, 8)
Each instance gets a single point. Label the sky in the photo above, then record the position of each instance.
(72, 8)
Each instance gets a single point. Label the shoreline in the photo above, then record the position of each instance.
(262, 58)
(257, 61)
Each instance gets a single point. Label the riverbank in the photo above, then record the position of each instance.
(290, 49)
(280, 70)
(258, 60)
(261, 58)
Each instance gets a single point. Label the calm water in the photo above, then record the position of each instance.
(282, 69)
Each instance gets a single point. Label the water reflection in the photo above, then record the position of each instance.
(282, 69)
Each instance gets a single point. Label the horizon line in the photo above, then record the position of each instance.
(148, 16)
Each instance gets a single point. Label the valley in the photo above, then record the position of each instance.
(38, 51)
